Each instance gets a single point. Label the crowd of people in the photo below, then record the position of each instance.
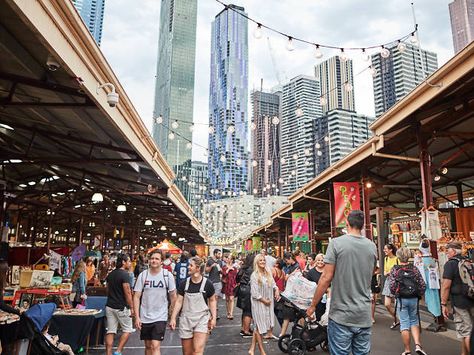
(156, 291)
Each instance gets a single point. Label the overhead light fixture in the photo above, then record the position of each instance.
(121, 208)
(444, 170)
(97, 197)
(437, 177)
(163, 228)
(148, 222)
(32, 183)
(368, 185)
(3, 125)
(173, 234)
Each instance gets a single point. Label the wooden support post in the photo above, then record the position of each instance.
(460, 195)
(366, 202)
(80, 234)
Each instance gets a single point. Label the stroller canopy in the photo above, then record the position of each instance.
(40, 314)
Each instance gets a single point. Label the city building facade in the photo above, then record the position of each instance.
(92, 13)
(300, 107)
(336, 134)
(335, 75)
(265, 137)
(199, 179)
(174, 87)
(399, 74)
(461, 13)
(228, 99)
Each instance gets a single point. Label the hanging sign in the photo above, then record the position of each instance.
(300, 226)
(346, 199)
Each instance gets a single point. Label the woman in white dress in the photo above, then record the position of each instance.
(263, 290)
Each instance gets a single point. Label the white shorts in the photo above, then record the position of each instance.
(218, 289)
(193, 324)
(116, 317)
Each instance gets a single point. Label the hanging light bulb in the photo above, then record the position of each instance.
(222, 158)
(97, 197)
(238, 162)
(326, 139)
(413, 39)
(365, 56)
(171, 136)
(343, 56)
(253, 126)
(189, 145)
(275, 120)
(254, 163)
(402, 47)
(348, 87)
(307, 162)
(444, 170)
(283, 160)
(211, 129)
(289, 45)
(175, 124)
(307, 151)
(148, 222)
(191, 128)
(269, 162)
(373, 71)
(231, 129)
(319, 153)
(299, 112)
(323, 101)
(318, 54)
(317, 145)
(257, 33)
(159, 119)
(384, 53)
(437, 178)
(121, 208)
(280, 180)
(293, 172)
(295, 156)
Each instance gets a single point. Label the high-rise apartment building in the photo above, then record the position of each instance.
(334, 75)
(299, 109)
(399, 74)
(228, 116)
(461, 13)
(336, 134)
(265, 135)
(92, 13)
(174, 90)
(197, 186)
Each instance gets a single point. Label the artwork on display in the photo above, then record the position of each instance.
(41, 278)
(346, 199)
(15, 275)
(25, 300)
(300, 226)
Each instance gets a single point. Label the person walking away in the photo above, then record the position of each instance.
(150, 301)
(119, 306)
(408, 286)
(229, 274)
(453, 287)
(104, 268)
(78, 281)
(181, 268)
(350, 261)
(390, 261)
(314, 275)
(198, 306)
(263, 291)
(214, 269)
(243, 295)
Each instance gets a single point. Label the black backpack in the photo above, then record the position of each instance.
(405, 284)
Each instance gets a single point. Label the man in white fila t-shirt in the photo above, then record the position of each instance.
(150, 302)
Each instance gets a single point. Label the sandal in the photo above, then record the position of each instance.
(406, 353)
(419, 350)
(394, 325)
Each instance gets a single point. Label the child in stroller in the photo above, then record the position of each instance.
(306, 334)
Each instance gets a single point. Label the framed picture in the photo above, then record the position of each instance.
(15, 279)
(25, 300)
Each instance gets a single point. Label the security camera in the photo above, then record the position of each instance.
(112, 97)
(52, 63)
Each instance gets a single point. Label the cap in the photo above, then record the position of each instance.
(454, 245)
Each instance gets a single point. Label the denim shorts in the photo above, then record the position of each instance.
(344, 339)
(407, 310)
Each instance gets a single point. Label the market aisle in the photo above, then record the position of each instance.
(225, 339)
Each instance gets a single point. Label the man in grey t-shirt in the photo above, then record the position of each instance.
(350, 262)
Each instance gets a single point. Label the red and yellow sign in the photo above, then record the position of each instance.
(346, 199)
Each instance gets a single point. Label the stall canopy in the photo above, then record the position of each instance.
(434, 123)
(167, 247)
(62, 142)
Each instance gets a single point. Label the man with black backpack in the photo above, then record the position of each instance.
(408, 286)
(458, 286)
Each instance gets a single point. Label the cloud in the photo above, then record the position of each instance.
(130, 42)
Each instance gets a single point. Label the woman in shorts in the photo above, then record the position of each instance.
(198, 306)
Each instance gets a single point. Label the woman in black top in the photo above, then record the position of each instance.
(243, 300)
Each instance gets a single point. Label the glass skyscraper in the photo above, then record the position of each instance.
(174, 91)
(228, 142)
(92, 13)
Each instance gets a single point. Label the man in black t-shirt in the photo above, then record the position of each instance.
(214, 269)
(452, 288)
(119, 307)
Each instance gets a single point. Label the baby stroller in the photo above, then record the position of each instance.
(35, 318)
(303, 338)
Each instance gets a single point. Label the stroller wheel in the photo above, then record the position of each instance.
(325, 346)
(284, 342)
(297, 347)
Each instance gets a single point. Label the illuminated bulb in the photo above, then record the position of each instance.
(323, 101)
(231, 129)
(121, 208)
(269, 162)
(413, 39)
(191, 128)
(280, 180)
(253, 126)
(159, 119)
(444, 171)
(171, 136)
(283, 160)
(148, 222)
(293, 172)
(368, 185)
(401, 47)
(384, 53)
(437, 178)
(299, 112)
(222, 158)
(275, 120)
(306, 162)
(211, 129)
(189, 145)
(257, 33)
(318, 54)
(317, 145)
(343, 56)
(295, 156)
(175, 125)
(348, 87)
(289, 45)
(365, 57)
(326, 139)
(319, 153)
(373, 71)
(307, 151)
(254, 163)
(238, 162)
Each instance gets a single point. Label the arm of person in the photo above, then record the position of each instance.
(445, 287)
(128, 296)
(324, 283)
(136, 309)
(213, 309)
(82, 283)
(177, 308)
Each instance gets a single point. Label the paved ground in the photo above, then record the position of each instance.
(225, 339)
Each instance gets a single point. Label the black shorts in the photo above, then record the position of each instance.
(153, 331)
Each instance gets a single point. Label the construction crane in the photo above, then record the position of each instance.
(272, 55)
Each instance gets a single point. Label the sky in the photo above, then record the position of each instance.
(131, 30)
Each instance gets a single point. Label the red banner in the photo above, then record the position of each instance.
(346, 199)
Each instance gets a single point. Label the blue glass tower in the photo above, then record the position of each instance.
(92, 13)
(228, 97)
